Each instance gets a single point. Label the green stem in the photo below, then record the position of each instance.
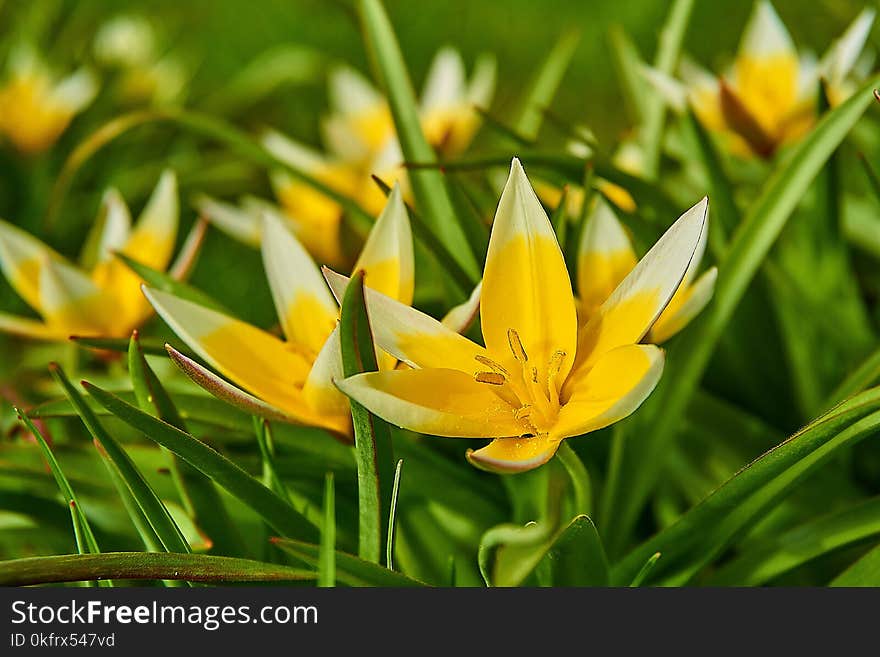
(580, 478)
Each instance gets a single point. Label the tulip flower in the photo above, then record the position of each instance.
(290, 379)
(606, 257)
(360, 142)
(541, 377)
(767, 98)
(35, 107)
(104, 300)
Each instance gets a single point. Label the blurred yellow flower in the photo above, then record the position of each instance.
(360, 142)
(290, 379)
(541, 377)
(768, 96)
(103, 297)
(36, 107)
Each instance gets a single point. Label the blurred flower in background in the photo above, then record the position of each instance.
(102, 296)
(767, 97)
(36, 106)
(360, 142)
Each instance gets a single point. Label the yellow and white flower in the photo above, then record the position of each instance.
(768, 96)
(292, 378)
(541, 377)
(103, 299)
(35, 106)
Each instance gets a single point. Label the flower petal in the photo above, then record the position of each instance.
(21, 257)
(687, 303)
(115, 226)
(412, 336)
(844, 52)
(445, 81)
(525, 284)
(482, 85)
(460, 317)
(637, 302)
(250, 357)
(613, 388)
(152, 240)
(72, 302)
(319, 390)
(511, 455)
(236, 222)
(765, 35)
(304, 305)
(387, 256)
(438, 402)
(30, 328)
(605, 257)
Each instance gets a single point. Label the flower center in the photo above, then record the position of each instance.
(534, 395)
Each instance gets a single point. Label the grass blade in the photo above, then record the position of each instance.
(800, 544)
(278, 513)
(428, 186)
(544, 85)
(350, 570)
(144, 565)
(158, 516)
(864, 572)
(711, 525)
(642, 575)
(372, 436)
(750, 245)
(327, 555)
(389, 544)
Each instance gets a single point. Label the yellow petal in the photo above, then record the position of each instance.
(152, 240)
(115, 228)
(687, 303)
(439, 402)
(303, 302)
(511, 455)
(250, 357)
(605, 257)
(766, 70)
(70, 301)
(640, 298)
(412, 336)
(526, 286)
(320, 390)
(612, 389)
(387, 256)
(21, 256)
(30, 328)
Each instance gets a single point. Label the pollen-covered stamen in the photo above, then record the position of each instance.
(516, 346)
(492, 365)
(553, 369)
(492, 378)
(523, 412)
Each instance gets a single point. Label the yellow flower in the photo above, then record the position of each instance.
(360, 142)
(35, 108)
(605, 259)
(541, 377)
(105, 300)
(767, 98)
(290, 379)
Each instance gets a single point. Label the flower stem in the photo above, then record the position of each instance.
(580, 478)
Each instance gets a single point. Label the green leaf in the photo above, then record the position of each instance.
(799, 545)
(864, 572)
(149, 346)
(278, 513)
(200, 498)
(709, 527)
(859, 379)
(642, 575)
(86, 539)
(628, 65)
(160, 520)
(669, 49)
(350, 570)
(199, 408)
(725, 217)
(162, 281)
(428, 186)
(576, 557)
(327, 553)
(143, 565)
(372, 436)
(687, 360)
(544, 85)
(392, 512)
